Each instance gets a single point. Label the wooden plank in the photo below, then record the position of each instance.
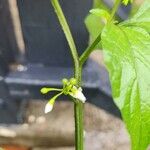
(61, 148)
(13, 147)
(35, 135)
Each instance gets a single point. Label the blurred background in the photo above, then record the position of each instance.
(34, 53)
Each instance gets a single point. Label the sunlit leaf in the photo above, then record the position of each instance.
(141, 18)
(100, 13)
(127, 57)
(94, 23)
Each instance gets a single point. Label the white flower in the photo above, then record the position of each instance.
(50, 104)
(48, 107)
(77, 93)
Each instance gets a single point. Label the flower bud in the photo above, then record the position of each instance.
(64, 81)
(44, 90)
(73, 81)
(48, 108)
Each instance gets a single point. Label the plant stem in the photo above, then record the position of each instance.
(78, 114)
(78, 105)
(68, 34)
(88, 51)
(115, 7)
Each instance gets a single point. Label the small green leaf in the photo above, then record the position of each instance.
(94, 26)
(127, 57)
(100, 13)
(141, 18)
(94, 23)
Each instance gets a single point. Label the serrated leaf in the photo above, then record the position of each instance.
(127, 57)
(141, 18)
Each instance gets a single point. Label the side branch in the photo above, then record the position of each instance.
(88, 51)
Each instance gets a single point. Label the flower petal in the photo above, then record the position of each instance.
(48, 108)
(78, 94)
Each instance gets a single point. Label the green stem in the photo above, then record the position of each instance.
(78, 105)
(78, 114)
(88, 51)
(67, 33)
(115, 8)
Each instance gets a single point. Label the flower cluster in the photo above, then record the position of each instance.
(69, 88)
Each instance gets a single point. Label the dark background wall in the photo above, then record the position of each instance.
(43, 36)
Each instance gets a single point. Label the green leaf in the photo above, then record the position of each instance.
(127, 57)
(94, 23)
(141, 18)
(94, 26)
(100, 13)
